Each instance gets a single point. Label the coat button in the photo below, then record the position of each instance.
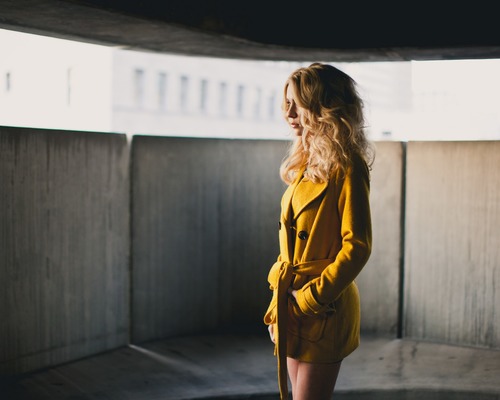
(303, 235)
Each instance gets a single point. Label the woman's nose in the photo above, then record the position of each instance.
(292, 111)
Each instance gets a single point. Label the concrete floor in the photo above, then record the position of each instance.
(242, 366)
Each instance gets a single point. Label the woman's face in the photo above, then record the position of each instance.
(293, 111)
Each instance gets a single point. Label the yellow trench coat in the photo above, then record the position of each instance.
(325, 240)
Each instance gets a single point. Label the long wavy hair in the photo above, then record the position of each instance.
(332, 120)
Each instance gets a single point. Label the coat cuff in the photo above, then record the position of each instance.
(307, 302)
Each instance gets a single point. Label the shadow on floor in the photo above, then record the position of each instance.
(242, 366)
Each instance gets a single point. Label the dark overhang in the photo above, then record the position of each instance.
(309, 30)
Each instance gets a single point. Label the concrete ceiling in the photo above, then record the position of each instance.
(310, 30)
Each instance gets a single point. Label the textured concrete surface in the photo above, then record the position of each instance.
(64, 246)
(227, 366)
(200, 259)
(205, 232)
(452, 251)
(379, 281)
(204, 222)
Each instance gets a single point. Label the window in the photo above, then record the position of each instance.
(139, 87)
(223, 98)
(256, 110)
(271, 105)
(203, 95)
(162, 90)
(184, 93)
(240, 95)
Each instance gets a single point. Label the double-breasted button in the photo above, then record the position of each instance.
(303, 235)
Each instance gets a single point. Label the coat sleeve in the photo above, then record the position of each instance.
(356, 232)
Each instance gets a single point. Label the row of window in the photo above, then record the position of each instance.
(193, 96)
(201, 96)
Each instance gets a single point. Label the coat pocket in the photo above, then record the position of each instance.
(310, 328)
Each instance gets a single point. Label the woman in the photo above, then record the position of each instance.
(325, 232)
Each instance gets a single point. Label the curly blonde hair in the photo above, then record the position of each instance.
(332, 120)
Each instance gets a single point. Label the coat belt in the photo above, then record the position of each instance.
(285, 277)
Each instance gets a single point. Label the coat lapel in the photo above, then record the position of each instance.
(303, 192)
(286, 202)
(306, 193)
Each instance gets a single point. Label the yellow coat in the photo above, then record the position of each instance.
(325, 240)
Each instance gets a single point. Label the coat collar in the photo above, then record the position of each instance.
(308, 192)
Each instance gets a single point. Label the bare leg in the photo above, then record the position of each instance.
(312, 381)
(293, 368)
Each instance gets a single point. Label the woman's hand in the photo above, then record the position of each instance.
(270, 328)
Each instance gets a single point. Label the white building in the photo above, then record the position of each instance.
(160, 94)
(61, 84)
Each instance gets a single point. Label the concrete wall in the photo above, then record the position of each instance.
(205, 232)
(205, 218)
(379, 281)
(64, 246)
(452, 247)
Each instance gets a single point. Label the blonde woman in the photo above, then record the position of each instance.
(324, 232)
